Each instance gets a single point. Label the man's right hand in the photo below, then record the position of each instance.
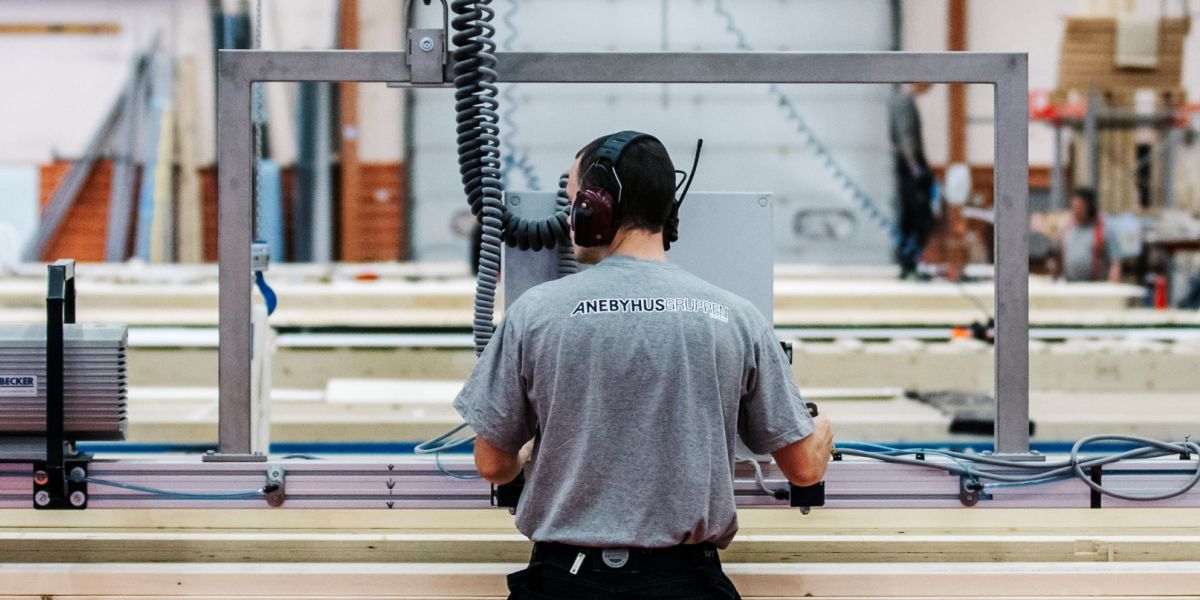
(804, 462)
(822, 438)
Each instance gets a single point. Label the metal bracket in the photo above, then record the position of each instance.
(969, 491)
(76, 497)
(807, 497)
(427, 56)
(260, 257)
(275, 490)
(507, 495)
(427, 51)
(212, 456)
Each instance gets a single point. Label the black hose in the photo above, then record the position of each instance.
(478, 142)
(566, 251)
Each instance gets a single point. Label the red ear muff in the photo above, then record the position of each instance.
(593, 217)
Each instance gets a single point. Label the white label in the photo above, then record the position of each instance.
(18, 386)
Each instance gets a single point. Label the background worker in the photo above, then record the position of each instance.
(632, 378)
(914, 179)
(1089, 251)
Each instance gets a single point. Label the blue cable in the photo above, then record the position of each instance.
(268, 294)
(174, 495)
(441, 443)
(1032, 482)
(891, 451)
(437, 460)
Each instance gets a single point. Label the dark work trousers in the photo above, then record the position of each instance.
(691, 572)
(914, 216)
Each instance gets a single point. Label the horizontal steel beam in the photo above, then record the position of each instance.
(754, 67)
(638, 67)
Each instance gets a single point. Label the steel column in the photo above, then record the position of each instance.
(1011, 236)
(235, 222)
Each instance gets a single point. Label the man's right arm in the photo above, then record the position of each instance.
(804, 462)
(774, 419)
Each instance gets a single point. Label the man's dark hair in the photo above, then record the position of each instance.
(647, 177)
(1088, 195)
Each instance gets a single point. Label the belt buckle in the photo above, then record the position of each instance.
(615, 558)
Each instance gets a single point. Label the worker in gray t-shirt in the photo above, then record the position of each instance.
(632, 379)
(1089, 251)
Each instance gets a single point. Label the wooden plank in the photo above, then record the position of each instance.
(190, 223)
(382, 235)
(59, 28)
(442, 581)
(956, 41)
(1104, 522)
(84, 230)
(458, 543)
(331, 581)
(351, 219)
(1087, 50)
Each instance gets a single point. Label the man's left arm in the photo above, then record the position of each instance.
(494, 403)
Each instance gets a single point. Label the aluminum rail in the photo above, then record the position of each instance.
(409, 483)
(1007, 73)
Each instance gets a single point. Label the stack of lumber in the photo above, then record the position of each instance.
(465, 553)
(1087, 64)
(1087, 59)
(382, 410)
(190, 298)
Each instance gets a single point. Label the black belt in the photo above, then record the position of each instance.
(626, 560)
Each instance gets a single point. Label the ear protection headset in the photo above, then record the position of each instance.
(595, 214)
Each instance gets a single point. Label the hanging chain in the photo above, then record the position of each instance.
(259, 115)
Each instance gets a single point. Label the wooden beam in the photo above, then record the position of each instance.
(768, 536)
(59, 28)
(487, 581)
(956, 41)
(190, 215)
(351, 194)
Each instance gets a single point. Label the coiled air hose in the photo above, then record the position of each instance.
(566, 253)
(478, 142)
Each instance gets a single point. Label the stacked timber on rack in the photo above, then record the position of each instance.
(372, 298)
(1090, 62)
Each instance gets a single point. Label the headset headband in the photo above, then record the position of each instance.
(614, 146)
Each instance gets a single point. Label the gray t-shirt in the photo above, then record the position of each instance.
(636, 377)
(1078, 253)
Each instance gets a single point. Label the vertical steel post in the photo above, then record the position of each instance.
(1012, 258)
(234, 219)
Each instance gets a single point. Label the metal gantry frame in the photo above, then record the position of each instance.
(238, 70)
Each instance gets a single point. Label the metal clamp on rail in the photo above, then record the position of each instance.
(260, 261)
(427, 50)
(275, 491)
(970, 491)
